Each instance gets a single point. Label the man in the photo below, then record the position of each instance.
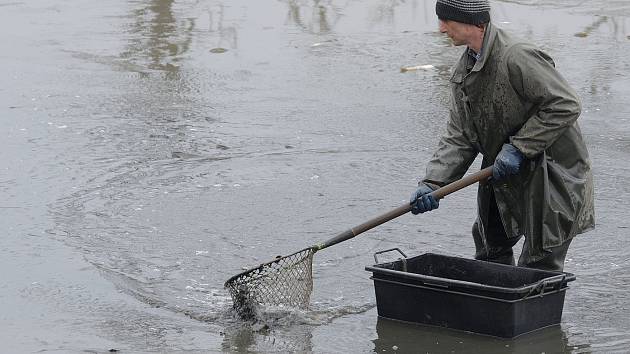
(510, 104)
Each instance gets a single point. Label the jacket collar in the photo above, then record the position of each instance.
(488, 40)
(486, 47)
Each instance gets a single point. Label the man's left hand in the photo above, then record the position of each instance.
(508, 162)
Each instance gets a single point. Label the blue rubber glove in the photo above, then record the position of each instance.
(508, 162)
(422, 200)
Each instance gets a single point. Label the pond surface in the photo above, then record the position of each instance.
(153, 149)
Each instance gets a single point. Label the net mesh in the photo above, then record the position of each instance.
(285, 281)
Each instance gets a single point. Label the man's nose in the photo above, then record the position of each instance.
(442, 26)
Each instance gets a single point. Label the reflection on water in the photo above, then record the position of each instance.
(227, 35)
(258, 337)
(594, 26)
(321, 17)
(317, 16)
(384, 12)
(158, 36)
(612, 21)
(408, 338)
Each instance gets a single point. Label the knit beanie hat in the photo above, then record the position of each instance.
(474, 12)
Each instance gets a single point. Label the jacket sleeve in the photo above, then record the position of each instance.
(454, 154)
(554, 104)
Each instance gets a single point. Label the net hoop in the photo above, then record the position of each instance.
(284, 281)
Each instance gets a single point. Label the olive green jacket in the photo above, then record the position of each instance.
(513, 93)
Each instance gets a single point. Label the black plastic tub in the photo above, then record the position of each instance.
(470, 295)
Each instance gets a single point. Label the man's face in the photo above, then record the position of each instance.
(458, 32)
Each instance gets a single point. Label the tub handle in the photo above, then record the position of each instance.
(546, 285)
(389, 250)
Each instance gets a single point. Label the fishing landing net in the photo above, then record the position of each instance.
(288, 281)
(285, 281)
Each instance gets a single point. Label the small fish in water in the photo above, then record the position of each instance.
(418, 67)
(218, 50)
(581, 34)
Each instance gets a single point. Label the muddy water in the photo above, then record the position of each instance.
(152, 149)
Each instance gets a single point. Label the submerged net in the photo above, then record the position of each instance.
(285, 281)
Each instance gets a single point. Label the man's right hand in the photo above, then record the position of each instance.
(422, 200)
